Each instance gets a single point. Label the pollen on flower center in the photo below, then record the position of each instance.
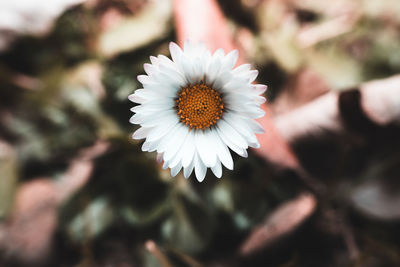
(199, 106)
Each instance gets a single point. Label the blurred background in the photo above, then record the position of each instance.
(323, 189)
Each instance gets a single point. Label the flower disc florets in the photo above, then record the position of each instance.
(199, 106)
(194, 107)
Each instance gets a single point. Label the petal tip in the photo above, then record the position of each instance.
(131, 97)
(173, 45)
(134, 136)
(230, 166)
(200, 179)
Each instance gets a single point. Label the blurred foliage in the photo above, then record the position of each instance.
(9, 176)
(62, 92)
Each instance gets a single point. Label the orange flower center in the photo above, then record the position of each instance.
(199, 106)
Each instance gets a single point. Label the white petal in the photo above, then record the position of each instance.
(259, 100)
(166, 140)
(205, 59)
(241, 70)
(155, 105)
(162, 129)
(153, 121)
(240, 151)
(154, 145)
(136, 119)
(260, 88)
(212, 70)
(168, 80)
(175, 160)
(154, 60)
(241, 127)
(197, 71)
(173, 73)
(231, 133)
(248, 110)
(145, 146)
(255, 113)
(144, 79)
(236, 99)
(175, 170)
(136, 99)
(162, 91)
(176, 52)
(189, 169)
(230, 59)
(253, 75)
(189, 49)
(205, 150)
(222, 150)
(165, 60)
(176, 143)
(217, 169)
(188, 70)
(149, 69)
(219, 53)
(188, 149)
(222, 79)
(146, 94)
(236, 84)
(150, 146)
(180, 154)
(201, 48)
(141, 133)
(254, 144)
(199, 168)
(255, 126)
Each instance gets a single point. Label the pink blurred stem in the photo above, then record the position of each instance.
(284, 220)
(203, 21)
(380, 102)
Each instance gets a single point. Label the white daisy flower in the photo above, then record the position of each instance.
(194, 107)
